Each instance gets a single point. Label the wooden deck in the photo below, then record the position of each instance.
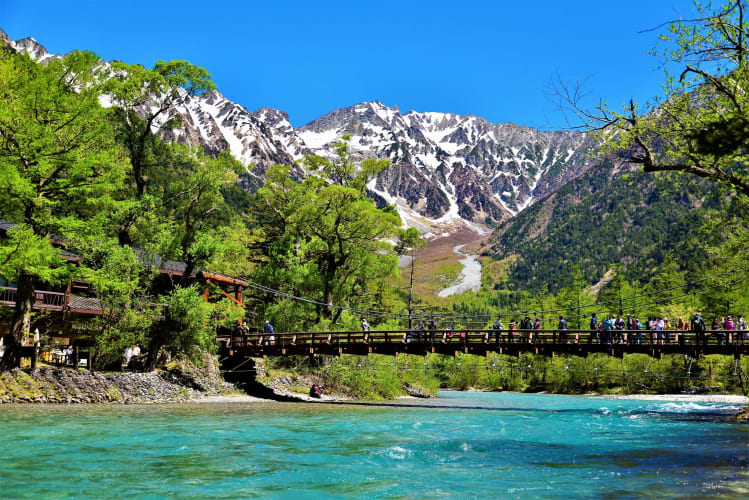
(479, 342)
(54, 301)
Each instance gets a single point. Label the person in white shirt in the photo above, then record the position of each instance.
(128, 356)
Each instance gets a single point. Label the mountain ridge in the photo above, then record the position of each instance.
(449, 170)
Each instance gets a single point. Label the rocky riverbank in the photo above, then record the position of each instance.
(180, 382)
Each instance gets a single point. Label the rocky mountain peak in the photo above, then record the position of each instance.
(448, 171)
(277, 119)
(34, 49)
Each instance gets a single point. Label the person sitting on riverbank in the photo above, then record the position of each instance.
(127, 356)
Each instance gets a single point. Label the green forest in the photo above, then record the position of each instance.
(93, 193)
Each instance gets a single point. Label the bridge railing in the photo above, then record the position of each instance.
(475, 337)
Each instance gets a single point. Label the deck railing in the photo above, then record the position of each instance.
(42, 299)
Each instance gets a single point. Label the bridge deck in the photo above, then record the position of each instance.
(481, 342)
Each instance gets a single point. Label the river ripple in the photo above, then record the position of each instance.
(462, 445)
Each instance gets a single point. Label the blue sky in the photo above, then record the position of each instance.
(490, 59)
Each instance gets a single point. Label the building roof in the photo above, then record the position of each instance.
(79, 304)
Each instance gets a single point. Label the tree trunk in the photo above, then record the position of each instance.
(186, 278)
(159, 338)
(330, 270)
(20, 323)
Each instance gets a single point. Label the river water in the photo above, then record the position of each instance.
(462, 445)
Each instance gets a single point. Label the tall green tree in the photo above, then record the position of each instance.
(329, 239)
(193, 200)
(59, 165)
(145, 106)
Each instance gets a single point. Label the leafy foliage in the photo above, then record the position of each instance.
(325, 239)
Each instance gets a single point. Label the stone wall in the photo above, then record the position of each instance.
(182, 381)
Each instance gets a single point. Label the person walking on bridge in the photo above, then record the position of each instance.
(730, 326)
(699, 327)
(270, 339)
(741, 327)
(511, 332)
(594, 329)
(608, 326)
(525, 327)
(497, 330)
(365, 329)
(562, 327)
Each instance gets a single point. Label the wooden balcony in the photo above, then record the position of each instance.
(53, 301)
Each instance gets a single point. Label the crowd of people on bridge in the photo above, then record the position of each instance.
(618, 330)
(609, 330)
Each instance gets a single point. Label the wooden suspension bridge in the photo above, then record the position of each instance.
(482, 342)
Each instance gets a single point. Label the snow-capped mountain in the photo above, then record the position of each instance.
(447, 166)
(448, 169)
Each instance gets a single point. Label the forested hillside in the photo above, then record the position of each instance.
(614, 216)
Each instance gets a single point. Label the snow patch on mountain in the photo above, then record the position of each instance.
(448, 170)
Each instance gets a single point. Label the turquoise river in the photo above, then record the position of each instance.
(462, 445)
